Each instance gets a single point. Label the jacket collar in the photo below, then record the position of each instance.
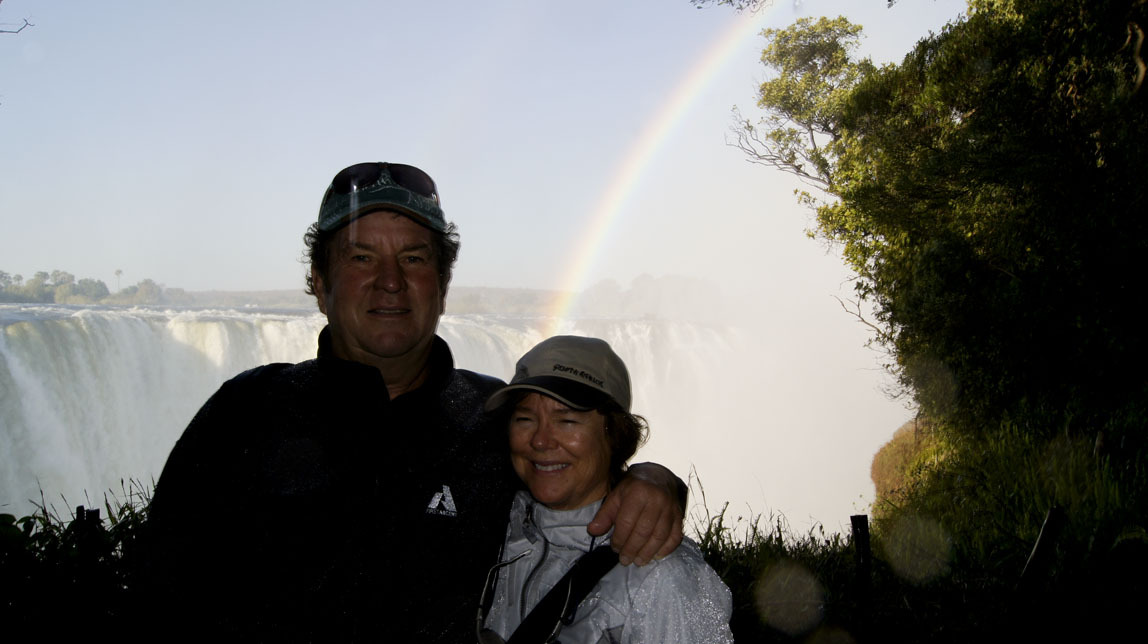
(441, 361)
(563, 528)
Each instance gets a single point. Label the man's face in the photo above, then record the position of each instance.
(381, 296)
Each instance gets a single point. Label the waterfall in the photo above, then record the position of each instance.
(771, 419)
(90, 396)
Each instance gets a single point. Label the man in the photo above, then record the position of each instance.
(360, 495)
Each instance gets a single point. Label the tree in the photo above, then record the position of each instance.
(60, 278)
(91, 290)
(148, 292)
(988, 194)
(815, 73)
(63, 293)
(39, 288)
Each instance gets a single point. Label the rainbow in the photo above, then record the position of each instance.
(628, 175)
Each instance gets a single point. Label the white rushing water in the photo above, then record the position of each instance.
(91, 396)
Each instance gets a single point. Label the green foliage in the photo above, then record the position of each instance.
(1007, 217)
(914, 447)
(814, 74)
(91, 290)
(988, 193)
(946, 564)
(145, 292)
(989, 498)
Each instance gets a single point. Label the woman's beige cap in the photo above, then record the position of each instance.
(580, 372)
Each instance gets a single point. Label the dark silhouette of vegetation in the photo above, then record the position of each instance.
(915, 586)
(71, 578)
(988, 193)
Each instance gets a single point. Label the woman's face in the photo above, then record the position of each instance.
(561, 454)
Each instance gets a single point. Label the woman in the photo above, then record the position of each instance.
(571, 432)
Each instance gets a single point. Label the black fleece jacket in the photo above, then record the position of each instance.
(301, 504)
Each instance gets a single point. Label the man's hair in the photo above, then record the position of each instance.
(318, 253)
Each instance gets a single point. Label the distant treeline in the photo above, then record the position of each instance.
(644, 297)
(62, 287)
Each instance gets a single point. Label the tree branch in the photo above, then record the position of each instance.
(763, 152)
(16, 31)
(738, 5)
(883, 336)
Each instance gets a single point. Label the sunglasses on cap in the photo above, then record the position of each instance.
(362, 175)
(365, 187)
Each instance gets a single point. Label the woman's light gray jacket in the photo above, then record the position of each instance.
(676, 599)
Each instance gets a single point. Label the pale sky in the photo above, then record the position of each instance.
(191, 143)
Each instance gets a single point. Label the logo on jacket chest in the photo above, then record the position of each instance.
(442, 503)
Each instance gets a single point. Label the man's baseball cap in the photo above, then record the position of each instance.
(581, 373)
(366, 187)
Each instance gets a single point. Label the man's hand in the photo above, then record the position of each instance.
(646, 509)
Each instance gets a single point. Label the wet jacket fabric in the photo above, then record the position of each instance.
(302, 504)
(676, 599)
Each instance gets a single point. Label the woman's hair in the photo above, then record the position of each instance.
(625, 433)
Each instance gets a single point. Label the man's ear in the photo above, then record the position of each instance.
(320, 290)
